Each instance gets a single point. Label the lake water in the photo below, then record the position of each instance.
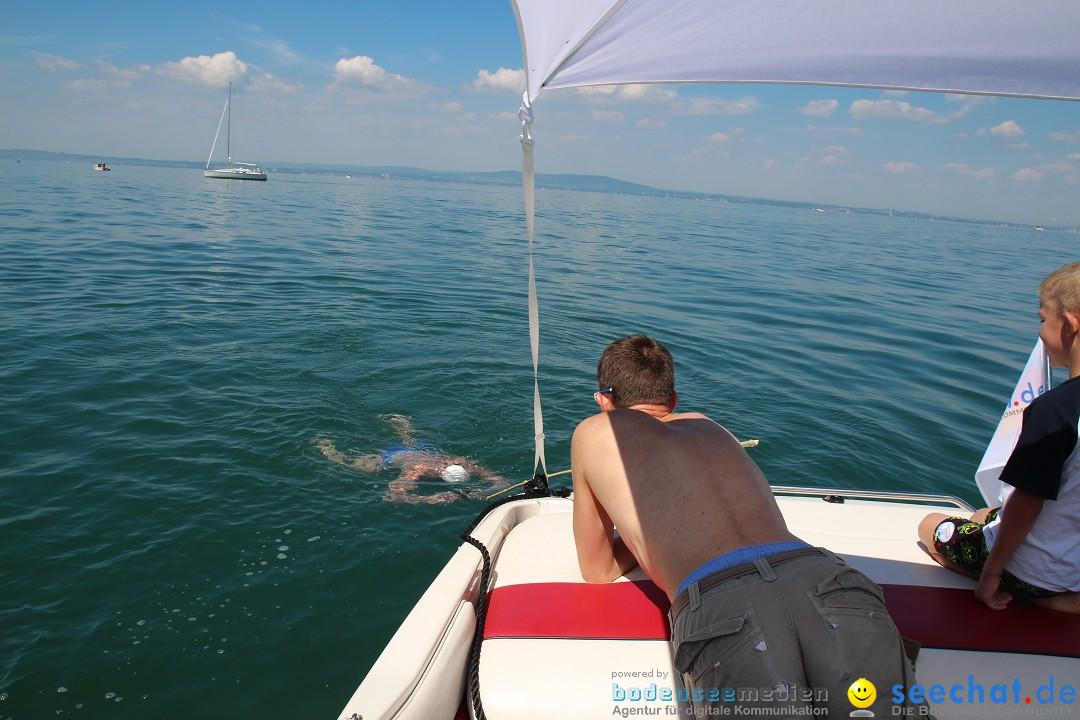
(173, 349)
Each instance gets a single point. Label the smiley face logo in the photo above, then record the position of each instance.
(862, 693)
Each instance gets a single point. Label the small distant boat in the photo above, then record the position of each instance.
(101, 166)
(233, 169)
(1039, 228)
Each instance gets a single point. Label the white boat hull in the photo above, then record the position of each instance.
(235, 174)
(422, 672)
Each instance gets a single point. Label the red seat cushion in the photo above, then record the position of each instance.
(951, 618)
(936, 617)
(610, 611)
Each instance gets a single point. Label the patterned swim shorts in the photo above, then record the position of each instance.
(960, 540)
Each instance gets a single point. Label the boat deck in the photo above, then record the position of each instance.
(556, 646)
(588, 639)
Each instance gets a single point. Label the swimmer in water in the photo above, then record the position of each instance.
(417, 460)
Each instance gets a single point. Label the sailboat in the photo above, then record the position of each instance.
(233, 170)
(508, 629)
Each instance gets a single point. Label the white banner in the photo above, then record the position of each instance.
(1033, 383)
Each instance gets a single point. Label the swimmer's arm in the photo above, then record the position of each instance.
(399, 489)
(417, 470)
(1017, 518)
(478, 471)
(368, 463)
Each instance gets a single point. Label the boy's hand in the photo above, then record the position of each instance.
(988, 594)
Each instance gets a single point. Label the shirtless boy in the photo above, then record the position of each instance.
(753, 606)
(1035, 553)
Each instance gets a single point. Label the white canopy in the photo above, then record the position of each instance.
(1028, 48)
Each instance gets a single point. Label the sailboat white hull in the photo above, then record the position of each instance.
(233, 170)
(235, 173)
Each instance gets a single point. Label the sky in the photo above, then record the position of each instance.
(437, 85)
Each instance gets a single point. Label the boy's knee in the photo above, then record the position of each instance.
(928, 527)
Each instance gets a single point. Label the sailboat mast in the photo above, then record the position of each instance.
(228, 130)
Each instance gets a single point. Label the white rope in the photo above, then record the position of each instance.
(528, 184)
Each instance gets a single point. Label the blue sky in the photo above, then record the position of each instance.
(437, 85)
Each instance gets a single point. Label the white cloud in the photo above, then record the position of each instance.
(834, 155)
(652, 124)
(644, 92)
(87, 84)
(607, 115)
(448, 107)
(970, 99)
(123, 74)
(899, 110)
(54, 62)
(270, 84)
(819, 108)
(717, 106)
(1066, 137)
(732, 136)
(278, 48)
(815, 130)
(900, 167)
(1009, 131)
(1028, 175)
(115, 77)
(1060, 167)
(362, 70)
(965, 170)
(210, 70)
(501, 79)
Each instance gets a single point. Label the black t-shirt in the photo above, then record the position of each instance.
(1048, 437)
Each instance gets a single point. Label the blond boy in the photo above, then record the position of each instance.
(1033, 551)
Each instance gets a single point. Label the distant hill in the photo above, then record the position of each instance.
(586, 183)
(592, 183)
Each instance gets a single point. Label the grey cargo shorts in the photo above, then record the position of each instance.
(792, 632)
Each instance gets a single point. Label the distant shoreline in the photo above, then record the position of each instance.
(586, 183)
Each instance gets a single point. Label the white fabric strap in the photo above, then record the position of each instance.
(528, 184)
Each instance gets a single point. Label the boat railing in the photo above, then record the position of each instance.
(838, 495)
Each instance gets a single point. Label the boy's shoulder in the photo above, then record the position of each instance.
(1063, 400)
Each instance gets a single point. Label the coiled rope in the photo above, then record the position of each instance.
(536, 487)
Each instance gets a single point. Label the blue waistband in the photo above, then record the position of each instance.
(741, 556)
(387, 456)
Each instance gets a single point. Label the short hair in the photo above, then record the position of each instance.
(639, 370)
(1061, 289)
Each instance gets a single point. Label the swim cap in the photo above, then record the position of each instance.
(454, 473)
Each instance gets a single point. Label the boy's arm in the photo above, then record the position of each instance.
(1017, 517)
(602, 557)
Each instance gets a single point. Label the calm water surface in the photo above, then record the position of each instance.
(174, 544)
